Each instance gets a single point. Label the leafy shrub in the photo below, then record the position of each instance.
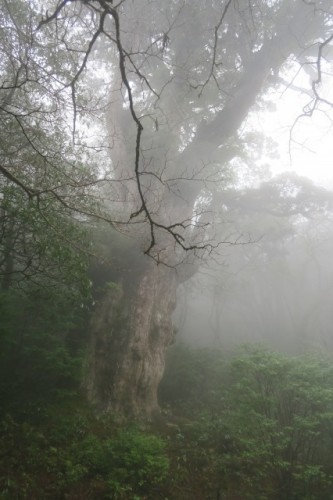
(137, 459)
(37, 361)
(53, 462)
(130, 461)
(264, 426)
(275, 431)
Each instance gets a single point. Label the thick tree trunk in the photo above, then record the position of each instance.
(130, 333)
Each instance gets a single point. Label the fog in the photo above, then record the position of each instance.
(276, 288)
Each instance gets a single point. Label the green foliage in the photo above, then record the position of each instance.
(138, 458)
(265, 430)
(39, 244)
(129, 462)
(191, 377)
(39, 354)
(44, 288)
(262, 430)
(57, 458)
(279, 423)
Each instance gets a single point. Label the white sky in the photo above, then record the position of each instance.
(306, 149)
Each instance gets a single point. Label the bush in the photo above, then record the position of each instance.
(54, 462)
(276, 430)
(264, 426)
(138, 462)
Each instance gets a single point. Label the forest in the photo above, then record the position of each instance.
(166, 270)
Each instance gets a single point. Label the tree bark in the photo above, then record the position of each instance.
(130, 333)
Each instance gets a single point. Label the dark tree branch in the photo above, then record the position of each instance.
(214, 63)
(30, 192)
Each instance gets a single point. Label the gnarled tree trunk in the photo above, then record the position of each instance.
(130, 333)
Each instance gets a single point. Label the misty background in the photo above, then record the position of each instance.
(166, 242)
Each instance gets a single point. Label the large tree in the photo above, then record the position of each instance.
(167, 87)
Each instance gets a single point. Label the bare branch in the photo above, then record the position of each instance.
(214, 63)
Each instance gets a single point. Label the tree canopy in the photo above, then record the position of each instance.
(133, 113)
